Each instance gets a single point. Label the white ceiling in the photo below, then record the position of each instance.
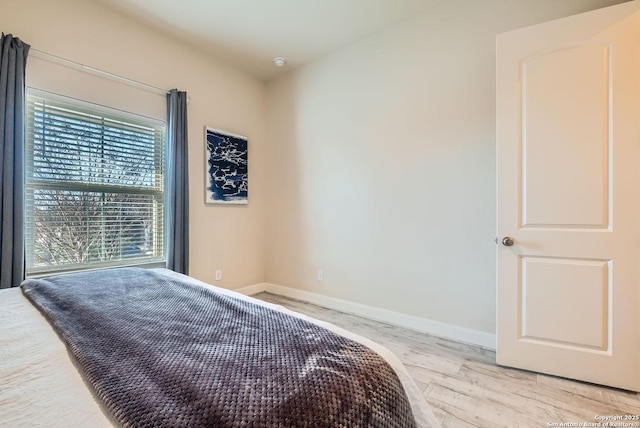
(250, 33)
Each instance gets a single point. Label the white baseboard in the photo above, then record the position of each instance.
(252, 289)
(423, 325)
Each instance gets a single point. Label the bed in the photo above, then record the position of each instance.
(134, 348)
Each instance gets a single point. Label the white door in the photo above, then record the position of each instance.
(568, 145)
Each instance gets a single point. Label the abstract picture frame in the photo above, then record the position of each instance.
(227, 167)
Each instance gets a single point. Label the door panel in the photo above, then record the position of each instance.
(562, 321)
(569, 188)
(568, 156)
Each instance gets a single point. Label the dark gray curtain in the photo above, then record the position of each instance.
(13, 60)
(178, 183)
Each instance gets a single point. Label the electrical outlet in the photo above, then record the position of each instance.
(218, 274)
(320, 275)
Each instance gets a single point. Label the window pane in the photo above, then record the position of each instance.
(79, 147)
(87, 227)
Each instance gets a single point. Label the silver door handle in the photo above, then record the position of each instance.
(507, 241)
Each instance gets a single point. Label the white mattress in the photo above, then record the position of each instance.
(41, 387)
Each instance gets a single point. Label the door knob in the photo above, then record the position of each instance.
(507, 241)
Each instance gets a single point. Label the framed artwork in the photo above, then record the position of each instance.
(227, 169)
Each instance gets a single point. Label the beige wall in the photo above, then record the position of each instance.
(382, 168)
(228, 238)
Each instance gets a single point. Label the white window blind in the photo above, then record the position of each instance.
(94, 186)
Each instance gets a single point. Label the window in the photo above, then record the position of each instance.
(94, 186)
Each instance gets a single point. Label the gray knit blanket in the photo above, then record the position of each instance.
(162, 352)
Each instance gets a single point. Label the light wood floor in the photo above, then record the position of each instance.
(467, 389)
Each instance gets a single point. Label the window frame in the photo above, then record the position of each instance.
(158, 193)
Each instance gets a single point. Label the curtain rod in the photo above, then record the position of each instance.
(67, 62)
